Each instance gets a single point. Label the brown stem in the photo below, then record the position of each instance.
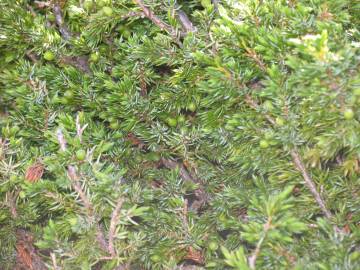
(252, 259)
(75, 183)
(72, 174)
(162, 25)
(61, 139)
(27, 256)
(31, 56)
(132, 14)
(114, 219)
(11, 202)
(79, 129)
(60, 23)
(297, 163)
(151, 16)
(309, 182)
(184, 174)
(200, 192)
(53, 260)
(185, 21)
(252, 103)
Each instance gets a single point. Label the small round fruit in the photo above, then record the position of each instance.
(126, 33)
(192, 107)
(264, 144)
(73, 221)
(103, 49)
(69, 94)
(211, 265)
(49, 56)
(107, 11)
(102, 3)
(268, 135)
(229, 127)
(181, 119)
(213, 245)
(114, 125)
(14, 129)
(184, 130)
(280, 121)
(172, 122)
(80, 154)
(94, 57)
(206, 3)
(222, 218)
(349, 114)
(22, 194)
(268, 105)
(153, 156)
(64, 101)
(155, 258)
(88, 4)
(356, 92)
(118, 135)
(51, 17)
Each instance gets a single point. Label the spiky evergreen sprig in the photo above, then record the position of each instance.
(194, 131)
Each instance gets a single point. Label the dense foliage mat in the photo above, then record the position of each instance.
(179, 135)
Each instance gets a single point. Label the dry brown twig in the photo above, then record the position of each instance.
(72, 174)
(253, 257)
(148, 13)
(185, 21)
(60, 22)
(10, 201)
(61, 139)
(299, 165)
(53, 260)
(27, 256)
(32, 57)
(296, 158)
(309, 182)
(80, 129)
(114, 219)
(200, 193)
(107, 246)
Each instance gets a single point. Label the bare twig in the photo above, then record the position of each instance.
(185, 216)
(10, 201)
(184, 174)
(80, 62)
(252, 259)
(151, 16)
(253, 104)
(101, 238)
(27, 256)
(53, 259)
(60, 23)
(114, 219)
(61, 139)
(132, 14)
(79, 129)
(42, 4)
(215, 3)
(297, 163)
(309, 182)
(185, 21)
(73, 176)
(200, 192)
(162, 25)
(75, 183)
(31, 56)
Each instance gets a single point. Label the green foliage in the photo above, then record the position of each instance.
(105, 111)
